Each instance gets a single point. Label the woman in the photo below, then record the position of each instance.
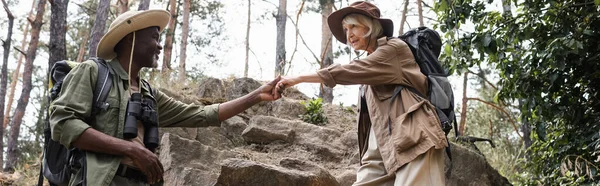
(400, 141)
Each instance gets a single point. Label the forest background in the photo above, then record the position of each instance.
(525, 72)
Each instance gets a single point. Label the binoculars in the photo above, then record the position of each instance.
(142, 110)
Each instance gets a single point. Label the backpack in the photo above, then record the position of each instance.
(58, 160)
(425, 45)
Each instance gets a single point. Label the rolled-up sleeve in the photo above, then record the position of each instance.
(173, 113)
(73, 105)
(383, 66)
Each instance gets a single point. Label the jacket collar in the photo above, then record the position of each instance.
(116, 66)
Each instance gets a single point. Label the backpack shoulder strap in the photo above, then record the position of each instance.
(103, 86)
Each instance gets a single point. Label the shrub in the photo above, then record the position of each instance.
(314, 112)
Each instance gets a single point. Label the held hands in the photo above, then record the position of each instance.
(283, 83)
(273, 90)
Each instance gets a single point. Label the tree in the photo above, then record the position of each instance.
(280, 20)
(247, 40)
(99, 26)
(12, 150)
(123, 6)
(144, 5)
(58, 30)
(420, 10)
(15, 74)
(170, 33)
(403, 19)
(326, 47)
(4, 71)
(185, 28)
(546, 58)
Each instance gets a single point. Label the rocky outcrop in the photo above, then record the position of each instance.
(269, 145)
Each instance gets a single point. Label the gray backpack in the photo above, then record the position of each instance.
(426, 45)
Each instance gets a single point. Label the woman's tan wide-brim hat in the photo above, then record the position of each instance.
(361, 7)
(126, 23)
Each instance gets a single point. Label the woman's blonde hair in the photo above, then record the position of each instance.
(375, 29)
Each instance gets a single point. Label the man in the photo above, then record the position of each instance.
(131, 43)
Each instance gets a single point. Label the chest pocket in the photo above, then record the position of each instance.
(107, 121)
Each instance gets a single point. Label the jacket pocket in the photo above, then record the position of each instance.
(407, 129)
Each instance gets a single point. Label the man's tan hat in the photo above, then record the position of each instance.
(361, 7)
(129, 22)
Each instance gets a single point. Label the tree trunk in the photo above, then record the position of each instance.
(247, 40)
(144, 5)
(4, 77)
(403, 20)
(185, 28)
(123, 6)
(170, 33)
(99, 26)
(463, 111)
(326, 48)
(57, 47)
(15, 74)
(280, 21)
(86, 37)
(12, 150)
(420, 10)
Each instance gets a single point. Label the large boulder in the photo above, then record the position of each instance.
(262, 130)
(241, 86)
(236, 172)
(212, 90)
(286, 109)
(470, 168)
(186, 161)
(325, 143)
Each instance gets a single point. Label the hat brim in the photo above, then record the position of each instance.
(335, 23)
(138, 21)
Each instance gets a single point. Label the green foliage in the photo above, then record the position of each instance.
(314, 112)
(547, 57)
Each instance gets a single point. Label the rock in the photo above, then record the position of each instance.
(214, 137)
(234, 126)
(241, 86)
(185, 160)
(212, 88)
(324, 142)
(347, 178)
(293, 93)
(286, 109)
(349, 139)
(267, 129)
(177, 95)
(188, 133)
(471, 168)
(190, 176)
(236, 172)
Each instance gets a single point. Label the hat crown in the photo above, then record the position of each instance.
(125, 16)
(367, 7)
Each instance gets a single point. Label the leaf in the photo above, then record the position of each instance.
(597, 2)
(448, 50)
